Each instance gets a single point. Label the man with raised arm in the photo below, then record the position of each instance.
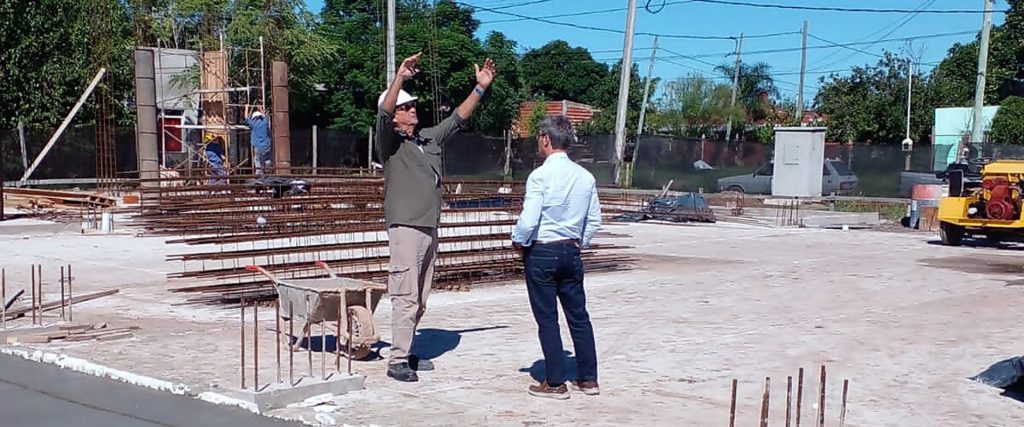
(412, 204)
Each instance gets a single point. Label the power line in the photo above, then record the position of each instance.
(838, 9)
(832, 45)
(584, 13)
(905, 19)
(521, 4)
(618, 31)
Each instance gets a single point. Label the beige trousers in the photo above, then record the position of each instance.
(410, 274)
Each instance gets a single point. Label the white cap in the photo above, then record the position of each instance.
(403, 97)
(256, 113)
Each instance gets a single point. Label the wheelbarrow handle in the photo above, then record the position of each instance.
(324, 266)
(263, 271)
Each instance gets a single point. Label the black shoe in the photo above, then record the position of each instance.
(418, 364)
(402, 372)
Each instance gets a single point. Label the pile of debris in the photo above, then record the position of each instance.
(687, 207)
(54, 204)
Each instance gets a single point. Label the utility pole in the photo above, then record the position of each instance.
(620, 115)
(908, 144)
(391, 42)
(643, 112)
(803, 70)
(735, 85)
(910, 90)
(978, 128)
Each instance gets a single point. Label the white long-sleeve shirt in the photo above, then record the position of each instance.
(561, 203)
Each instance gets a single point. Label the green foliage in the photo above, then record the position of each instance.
(559, 71)
(47, 60)
(870, 104)
(537, 114)
(754, 79)
(1008, 124)
(693, 106)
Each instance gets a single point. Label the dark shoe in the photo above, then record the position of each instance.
(588, 387)
(402, 372)
(544, 390)
(418, 364)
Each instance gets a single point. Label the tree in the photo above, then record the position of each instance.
(561, 72)
(693, 105)
(46, 60)
(605, 96)
(870, 103)
(754, 80)
(444, 33)
(1008, 124)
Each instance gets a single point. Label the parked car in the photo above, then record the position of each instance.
(836, 178)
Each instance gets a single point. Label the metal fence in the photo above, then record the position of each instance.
(690, 164)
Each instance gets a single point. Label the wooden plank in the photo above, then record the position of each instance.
(116, 336)
(14, 314)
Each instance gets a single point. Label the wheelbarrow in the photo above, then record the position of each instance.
(311, 301)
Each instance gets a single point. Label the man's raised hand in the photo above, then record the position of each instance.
(408, 68)
(485, 75)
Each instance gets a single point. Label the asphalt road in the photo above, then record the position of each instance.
(37, 394)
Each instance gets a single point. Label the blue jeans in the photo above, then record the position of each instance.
(217, 175)
(554, 273)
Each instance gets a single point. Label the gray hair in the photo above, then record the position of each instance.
(558, 129)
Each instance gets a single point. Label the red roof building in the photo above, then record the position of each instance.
(576, 112)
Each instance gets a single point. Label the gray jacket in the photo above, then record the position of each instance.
(412, 170)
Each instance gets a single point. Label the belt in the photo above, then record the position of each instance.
(559, 242)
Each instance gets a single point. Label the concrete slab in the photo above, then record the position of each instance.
(280, 395)
(840, 219)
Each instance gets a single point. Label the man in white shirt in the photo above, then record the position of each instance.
(561, 214)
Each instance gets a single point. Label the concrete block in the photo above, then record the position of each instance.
(276, 396)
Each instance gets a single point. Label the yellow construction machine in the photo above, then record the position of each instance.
(986, 204)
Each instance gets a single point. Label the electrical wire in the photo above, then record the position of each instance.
(618, 31)
(840, 9)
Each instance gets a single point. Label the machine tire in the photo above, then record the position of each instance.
(952, 235)
(362, 328)
(995, 238)
(735, 188)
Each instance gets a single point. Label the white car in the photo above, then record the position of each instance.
(836, 178)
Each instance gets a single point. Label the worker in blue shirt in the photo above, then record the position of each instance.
(561, 213)
(215, 155)
(259, 138)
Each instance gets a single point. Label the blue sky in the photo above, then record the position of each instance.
(704, 19)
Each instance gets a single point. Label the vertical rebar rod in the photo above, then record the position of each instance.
(277, 331)
(732, 405)
(351, 328)
(71, 304)
(789, 400)
(242, 337)
(3, 298)
(323, 342)
(33, 268)
(821, 399)
(62, 315)
(842, 412)
(765, 401)
(799, 394)
(291, 348)
(255, 346)
(337, 337)
(308, 329)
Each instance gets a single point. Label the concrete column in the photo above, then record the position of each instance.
(280, 127)
(146, 139)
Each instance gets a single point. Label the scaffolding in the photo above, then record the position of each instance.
(215, 104)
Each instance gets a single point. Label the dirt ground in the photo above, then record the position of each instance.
(905, 320)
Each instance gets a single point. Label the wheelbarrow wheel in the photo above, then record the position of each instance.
(362, 330)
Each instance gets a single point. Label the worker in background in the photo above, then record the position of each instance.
(259, 138)
(215, 155)
(561, 213)
(412, 204)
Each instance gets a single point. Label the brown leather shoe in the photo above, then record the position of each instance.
(544, 390)
(588, 387)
